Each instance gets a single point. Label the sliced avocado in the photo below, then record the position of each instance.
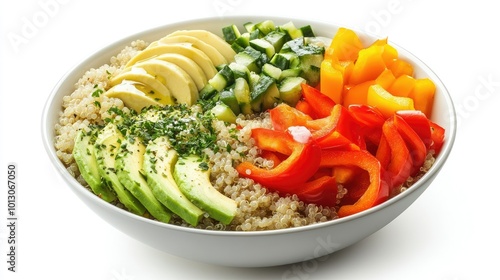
(156, 49)
(159, 161)
(188, 65)
(107, 145)
(137, 95)
(142, 76)
(210, 38)
(129, 171)
(84, 154)
(215, 56)
(180, 85)
(193, 178)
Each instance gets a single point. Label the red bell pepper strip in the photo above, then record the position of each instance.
(437, 135)
(370, 120)
(394, 155)
(320, 103)
(339, 129)
(419, 122)
(283, 116)
(321, 191)
(306, 108)
(302, 161)
(375, 193)
(416, 146)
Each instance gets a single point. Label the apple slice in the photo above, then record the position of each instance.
(210, 38)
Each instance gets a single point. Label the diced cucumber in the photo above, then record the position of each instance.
(239, 70)
(222, 79)
(231, 33)
(237, 47)
(258, 91)
(229, 98)
(242, 93)
(291, 30)
(285, 60)
(290, 89)
(265, 26)
(208, 92)
(307, 31)
(255, 34)
(271, 97)
(291, 72)
(263, 46)
(222, 112)
(271, 71)
(310, 65)
(249, 26)
(277, 39)
(243, 40)
(250, 58)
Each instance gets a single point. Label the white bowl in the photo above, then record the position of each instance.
(246, 249)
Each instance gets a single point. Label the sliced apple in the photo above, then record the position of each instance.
(188, 65)
(179, 83)
(210, 38)
(214, 55)
(185, 49)
(136, 95)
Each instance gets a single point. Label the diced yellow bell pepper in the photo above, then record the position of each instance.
(402, 86)
(368, 66)
(345, 45)
(387, 103)
(423, 95)
(332, 80)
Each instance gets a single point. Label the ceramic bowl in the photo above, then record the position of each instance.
(246, 249)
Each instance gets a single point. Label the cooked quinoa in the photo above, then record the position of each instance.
(258, 209)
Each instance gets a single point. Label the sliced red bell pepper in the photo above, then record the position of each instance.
(283, 116)
(321, 191)
(375, 193)
(370, 120)
(437, 135)
(394, 154)
(320, 103)
(419, 122)
(306, 108)
(302, 161)
(416, 146)
(339, 129)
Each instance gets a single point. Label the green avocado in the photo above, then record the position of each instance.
(129, 171)
(159, 161)
(107, 145)
(193, 178)
(84, 154)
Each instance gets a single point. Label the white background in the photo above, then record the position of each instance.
(450, 233)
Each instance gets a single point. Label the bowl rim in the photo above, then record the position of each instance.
(77, 187)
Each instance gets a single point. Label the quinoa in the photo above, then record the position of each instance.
(258, 208)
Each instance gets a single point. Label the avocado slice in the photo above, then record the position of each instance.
(194, 181)
(107, 145)
(210, 38)
(215, 56)
(84, 154)
(128, 166)
(159, 161)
